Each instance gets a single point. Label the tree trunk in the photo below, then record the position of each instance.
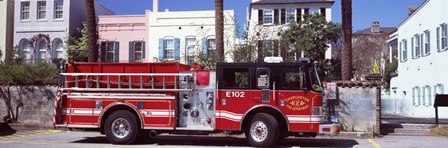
(219, 29)
(347, 39)
(92, 34)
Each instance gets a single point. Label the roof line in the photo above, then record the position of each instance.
(415, 12)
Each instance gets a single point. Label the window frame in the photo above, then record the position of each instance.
(58, 50)
(41, 10)
(112, 52)
(404, 50)
(56, 10)
(288, 18)
(135, 52)
(443, 37)
(24, 11)
(211, 46)
(427, 43)
(190, 55)
(228, 75)
(417, 46)
(268, 14)
(416, 96)
(168, 50)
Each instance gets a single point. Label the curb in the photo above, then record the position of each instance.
(349, 135)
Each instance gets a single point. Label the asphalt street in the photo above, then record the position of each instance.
(58, 139)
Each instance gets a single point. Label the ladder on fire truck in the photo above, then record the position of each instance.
(127, 82)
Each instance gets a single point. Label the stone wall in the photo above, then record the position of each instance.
(359, 106)
(35, 104)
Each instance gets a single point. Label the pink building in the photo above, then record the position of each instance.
(123, 38)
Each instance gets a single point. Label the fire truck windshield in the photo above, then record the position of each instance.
(315, 82)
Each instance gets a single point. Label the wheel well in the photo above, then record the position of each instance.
(115, 108)
(269, 110)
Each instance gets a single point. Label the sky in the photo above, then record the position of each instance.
(390, 13)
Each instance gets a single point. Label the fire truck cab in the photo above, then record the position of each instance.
(125, 101)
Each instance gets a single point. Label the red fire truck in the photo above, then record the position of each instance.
(126, 101)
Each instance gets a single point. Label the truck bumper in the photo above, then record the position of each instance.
(330, 129)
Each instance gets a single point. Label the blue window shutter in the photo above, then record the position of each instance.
(117, 52)
(413, 95)
(185, 51)
(438, 38)
(446, 35)
(429, 42)
(422, 49)
(204, 46)
(161, 48)
(143, 50)
(412, 48)
(131, 52)
(103, 51)
(429, 95)
(441, 89)
(419, 95)
(176, 48)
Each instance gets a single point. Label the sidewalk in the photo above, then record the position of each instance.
(397, 119)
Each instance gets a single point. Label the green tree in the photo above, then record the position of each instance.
(389, 70)
(20, 75)
(77, 46)
(311, 36)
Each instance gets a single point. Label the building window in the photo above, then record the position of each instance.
(290, 15)
(190, 43)
(404, 50)
(438, 89)
(138, 51)
(323, 12)
(444, 40)
(426, 95)
(268, 16)
(41, 10)
(169, 49)
(41, 49)
(25, 11)
(427, 40)
(110, 52)
(268, 48)
(417, 46)
(58, 49)
(26, 51)
(211, 47)
(416, 96)
(58, 9)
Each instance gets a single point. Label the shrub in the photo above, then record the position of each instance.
(441, 130)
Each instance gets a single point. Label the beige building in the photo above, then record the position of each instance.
(6, 26)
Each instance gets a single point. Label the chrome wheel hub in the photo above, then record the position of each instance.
(120, 128)
(258, 131)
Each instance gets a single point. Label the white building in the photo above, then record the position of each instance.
(41, 27)
(422, 62)
(266, 18)
(180, 35)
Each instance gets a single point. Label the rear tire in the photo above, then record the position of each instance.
(264, 131)
(121, 127)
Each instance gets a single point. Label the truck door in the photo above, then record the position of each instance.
(233, 96)
(293, 97)
(263, 93)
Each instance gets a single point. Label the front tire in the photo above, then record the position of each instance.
(263, 131)
(121, 127)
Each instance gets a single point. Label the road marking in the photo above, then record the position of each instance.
(29, 134)
(376, 145)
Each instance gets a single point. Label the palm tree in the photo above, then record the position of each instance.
(92, 35)
(219, 28)
(347, 39)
